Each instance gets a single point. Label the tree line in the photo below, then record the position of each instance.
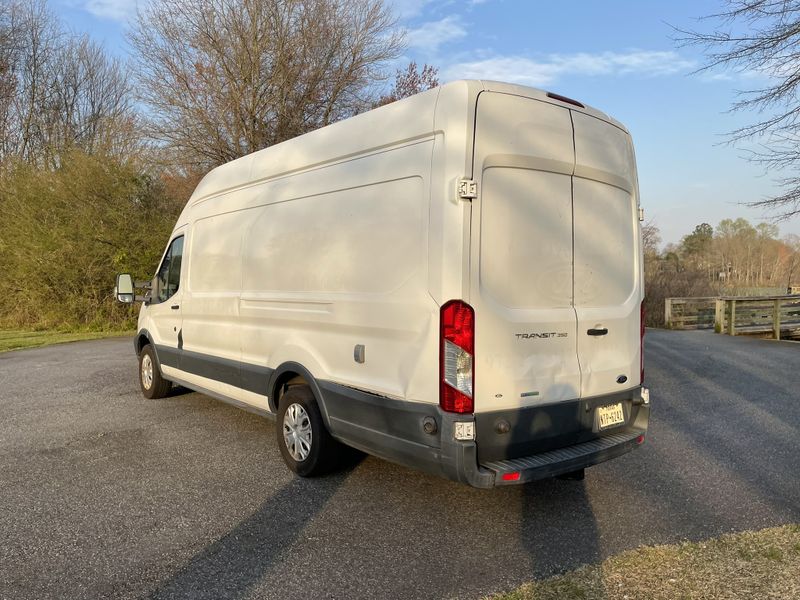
(99, 155)
(734, 258)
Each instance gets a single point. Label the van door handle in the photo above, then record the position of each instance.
(175, 306)
(602, 331)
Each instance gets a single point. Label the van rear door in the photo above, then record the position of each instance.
(521, 251)
(555, 279)
(607, 265)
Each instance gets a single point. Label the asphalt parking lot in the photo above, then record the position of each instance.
(106, 494)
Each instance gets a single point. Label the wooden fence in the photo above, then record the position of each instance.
(689, 313)
(736, 315)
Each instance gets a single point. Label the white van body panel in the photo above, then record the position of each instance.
(608, 291)
(329, 257)
(329, 286)
(522, 244)
(282, 246)
(557, 211)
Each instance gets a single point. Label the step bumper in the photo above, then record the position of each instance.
(563, 460)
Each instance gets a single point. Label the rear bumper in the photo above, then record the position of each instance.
(462, 464)
(461, 461)
(563, 460)
(395, 430)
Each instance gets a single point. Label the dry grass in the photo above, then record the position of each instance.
(750, 565)
(16, 339)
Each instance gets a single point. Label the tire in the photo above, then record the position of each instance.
(306, 446)
(150, 380)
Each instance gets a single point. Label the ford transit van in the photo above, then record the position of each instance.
(452, 282)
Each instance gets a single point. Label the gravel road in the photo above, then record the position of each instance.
(106, 494)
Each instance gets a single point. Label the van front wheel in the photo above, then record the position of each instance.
(152, 383)
(306, 446)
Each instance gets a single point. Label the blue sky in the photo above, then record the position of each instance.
(616, 55)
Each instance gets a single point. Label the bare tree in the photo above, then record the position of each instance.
(224, 78)
(791, 244)
(763, 37)
(38, 37)
(410, 81)
(89, 107)
(651, 238)
(58, 91)
(9, 49)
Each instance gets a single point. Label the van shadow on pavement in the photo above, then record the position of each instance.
(561, 534)
(231, 566)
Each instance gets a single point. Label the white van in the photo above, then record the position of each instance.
(452, 282)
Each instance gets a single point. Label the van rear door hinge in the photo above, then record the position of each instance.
(467, 189)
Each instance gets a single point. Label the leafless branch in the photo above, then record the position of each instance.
(761, 37)
(58, 91)
(224, 78)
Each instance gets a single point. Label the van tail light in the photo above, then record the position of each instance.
(456, 357)
(641, 342)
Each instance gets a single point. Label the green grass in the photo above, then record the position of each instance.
(15, 339)
(741, 566)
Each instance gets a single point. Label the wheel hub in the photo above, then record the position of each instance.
(147, 372)
(297, 432)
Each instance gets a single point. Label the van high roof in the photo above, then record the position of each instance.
(409, 119)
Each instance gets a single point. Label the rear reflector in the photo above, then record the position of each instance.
(456, 364)
(510, 476)
(640, 439)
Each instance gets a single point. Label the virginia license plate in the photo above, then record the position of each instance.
(608, 416)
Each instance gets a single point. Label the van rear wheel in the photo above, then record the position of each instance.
(306, 446)
(152, 383)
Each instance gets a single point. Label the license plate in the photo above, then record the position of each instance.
(608, 416)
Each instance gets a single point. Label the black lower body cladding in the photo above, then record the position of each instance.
(537, 442)
(513, 433)
(540, 442)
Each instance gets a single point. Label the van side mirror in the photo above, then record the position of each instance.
(124, 289)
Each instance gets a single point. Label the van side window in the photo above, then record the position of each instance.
(168, 277)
